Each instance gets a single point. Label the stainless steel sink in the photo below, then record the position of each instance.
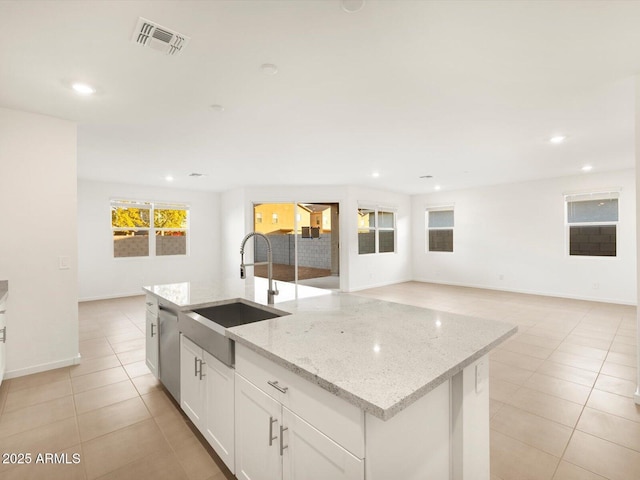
(206, 326)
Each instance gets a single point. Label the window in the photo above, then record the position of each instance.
(134, 224)
(376, 230)
(440, 229)
(592, 222)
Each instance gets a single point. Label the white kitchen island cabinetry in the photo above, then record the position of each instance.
(207, 397)
(151, 334)
(347, 387)
(273, 443)
(280, 417)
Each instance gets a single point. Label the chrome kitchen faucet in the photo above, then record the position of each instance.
(270, 292)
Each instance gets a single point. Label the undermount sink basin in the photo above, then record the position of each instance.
(206, 326)
(235, 314)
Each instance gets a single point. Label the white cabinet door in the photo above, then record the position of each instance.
(219, 409)
(311, 455)
(191, 381)
(258, 423)
(152, 342)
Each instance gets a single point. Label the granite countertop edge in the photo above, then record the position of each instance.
(365, 405)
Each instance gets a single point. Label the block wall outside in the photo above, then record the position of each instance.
(593, 240)
(134, 246)
(171, 245)
(138, 246)
(312, 252)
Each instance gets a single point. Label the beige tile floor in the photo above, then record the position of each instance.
(561, 389)
(109, 409)
(561, 395)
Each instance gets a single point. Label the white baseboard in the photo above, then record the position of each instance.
(111, 297)
(526, 292)
(43, 367)
(376, 285)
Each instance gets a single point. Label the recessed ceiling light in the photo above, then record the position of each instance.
(169, 178)
(437, 187)
(352, 6)
(587, 168)
(558, 139)
(217, 108)
(269, 68)
(83, 89)
(375, 174)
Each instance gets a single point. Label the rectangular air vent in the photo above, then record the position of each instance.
(150, 34)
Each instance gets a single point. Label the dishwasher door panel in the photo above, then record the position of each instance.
(169, 354)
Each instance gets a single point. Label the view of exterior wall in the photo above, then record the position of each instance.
(171, 245)
(367, 242)
(441, 240)
(593, 240)
(312, 252)
(131, 246)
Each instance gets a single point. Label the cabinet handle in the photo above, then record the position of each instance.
(282, 445)
(4, 334)
(149, 304)
(201, 364)
(195, 366)
(271, 437)
(152, 332)
(274, 384)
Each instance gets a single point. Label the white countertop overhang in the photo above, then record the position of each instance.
(380, 356)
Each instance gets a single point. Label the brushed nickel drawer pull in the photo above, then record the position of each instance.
(282, 445)
(201, 372)
(271, 437)
(274, 384)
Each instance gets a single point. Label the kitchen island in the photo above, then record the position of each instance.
(346, 386)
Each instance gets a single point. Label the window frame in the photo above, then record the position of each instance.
(439, 208)
(609, 194)
(152, 230)
(376, 229)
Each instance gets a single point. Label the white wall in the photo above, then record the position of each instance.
(518, 231)
(38, 197)
(102, 276)
(356, 271)
(367, 271)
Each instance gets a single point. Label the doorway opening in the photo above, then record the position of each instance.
(305, 242)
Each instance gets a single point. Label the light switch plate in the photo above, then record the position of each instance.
(63, 262)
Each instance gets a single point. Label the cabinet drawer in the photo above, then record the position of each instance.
(333, 416)
(152, 304)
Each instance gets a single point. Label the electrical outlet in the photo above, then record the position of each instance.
(501, 276)
(596, 286)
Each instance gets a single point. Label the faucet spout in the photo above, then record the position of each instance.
(271, 292)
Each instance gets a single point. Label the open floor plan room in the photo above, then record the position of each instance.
(561, 395)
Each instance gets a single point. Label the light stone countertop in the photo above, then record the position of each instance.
(377, 355)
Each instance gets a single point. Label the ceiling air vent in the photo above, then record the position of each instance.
(159, 38)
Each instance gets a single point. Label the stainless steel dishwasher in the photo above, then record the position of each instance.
(169, 354)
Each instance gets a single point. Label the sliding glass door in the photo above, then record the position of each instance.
(304, 240)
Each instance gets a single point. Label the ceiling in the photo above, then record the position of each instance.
(466, 91)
